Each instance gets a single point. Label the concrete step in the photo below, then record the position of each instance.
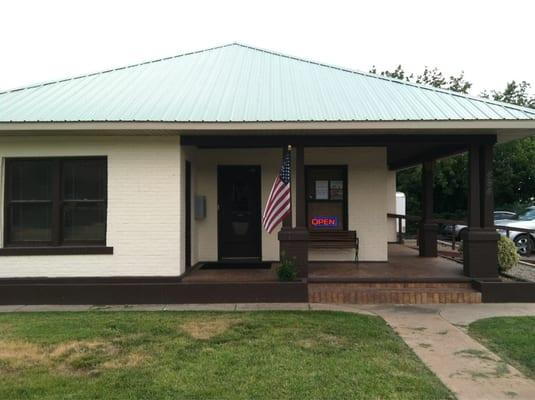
(350, 293)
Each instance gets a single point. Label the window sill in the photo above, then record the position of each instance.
(55, 251)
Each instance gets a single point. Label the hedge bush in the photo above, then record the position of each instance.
(507, 254)
(287, 271)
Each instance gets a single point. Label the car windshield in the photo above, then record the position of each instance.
(527, 216)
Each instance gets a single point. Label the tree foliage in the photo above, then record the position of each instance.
(514, 162)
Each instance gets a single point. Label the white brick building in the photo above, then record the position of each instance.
(156, 169)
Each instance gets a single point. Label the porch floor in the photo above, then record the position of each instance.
(403, 264)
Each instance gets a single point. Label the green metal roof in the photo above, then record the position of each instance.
(237, 83)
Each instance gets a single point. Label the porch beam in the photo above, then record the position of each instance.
(428, 156)
(328, 139)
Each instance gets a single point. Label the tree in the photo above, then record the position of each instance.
(514, 93)
(514, 162)
(450, 177)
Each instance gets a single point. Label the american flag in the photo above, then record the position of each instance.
(279, 202)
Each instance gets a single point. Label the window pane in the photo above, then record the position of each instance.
(84, 221)
(31, 223)
(83, 179)
(31, 180)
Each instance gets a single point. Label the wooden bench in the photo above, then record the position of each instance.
(334, 240)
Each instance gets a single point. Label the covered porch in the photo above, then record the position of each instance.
(368, 163)
(404, 265)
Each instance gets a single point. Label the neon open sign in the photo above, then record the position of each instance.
(324, 222)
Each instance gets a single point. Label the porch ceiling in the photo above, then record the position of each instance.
(403, 149)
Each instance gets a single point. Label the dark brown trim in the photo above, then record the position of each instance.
(188, 195)
(55, 250)
(57, 203)
(505, 292)
(474, 192)
(348, 261)
(220, 231)
(288, 221)
(300, 203)
(429, 155)
(147, 291)
(486, 186)
(326, 139)
(346, 191)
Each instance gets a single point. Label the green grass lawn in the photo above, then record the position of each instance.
(202, 355)
(512, 338)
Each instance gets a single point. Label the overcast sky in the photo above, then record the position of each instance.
(492, 41)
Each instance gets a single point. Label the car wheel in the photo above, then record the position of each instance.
(461, 233)
(522, 243)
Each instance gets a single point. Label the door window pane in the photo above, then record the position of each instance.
(31, 222)
(83, 180)
(336, 190)
(31, 180)
(84, 222)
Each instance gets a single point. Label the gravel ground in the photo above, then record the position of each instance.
(523, 271)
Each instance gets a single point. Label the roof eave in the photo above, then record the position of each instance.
(506, 125)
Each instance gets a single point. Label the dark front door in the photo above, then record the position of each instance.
(239, 212)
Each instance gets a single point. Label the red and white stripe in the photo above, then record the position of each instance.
(278, 205)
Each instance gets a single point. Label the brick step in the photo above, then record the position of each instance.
(396, 285)
(358, 294)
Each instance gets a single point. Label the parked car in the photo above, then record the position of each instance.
(522, 239)
(498, 216)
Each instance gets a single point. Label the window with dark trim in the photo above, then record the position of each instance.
(55, 202)
(326, 197)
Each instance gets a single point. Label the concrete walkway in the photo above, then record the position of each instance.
(436, 333)
(469, 369)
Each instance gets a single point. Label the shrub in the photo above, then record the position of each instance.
(287, 271)
(507, 254)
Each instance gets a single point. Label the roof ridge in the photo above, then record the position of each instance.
(394, 80)
(117, 69)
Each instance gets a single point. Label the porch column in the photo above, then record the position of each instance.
(480, 240)
(428, 230)
(287, 222)
(294, 241)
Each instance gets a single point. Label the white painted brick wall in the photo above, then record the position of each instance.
(144, 206)
(367, 198)
(367, 182)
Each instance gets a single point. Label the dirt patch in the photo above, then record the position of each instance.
(75, 357)
(82, 356)
(130, 360)
(20, 354)
(204, 330)
(72, 349)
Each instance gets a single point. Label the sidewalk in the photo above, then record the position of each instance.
(436, 333)
(469, 369)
